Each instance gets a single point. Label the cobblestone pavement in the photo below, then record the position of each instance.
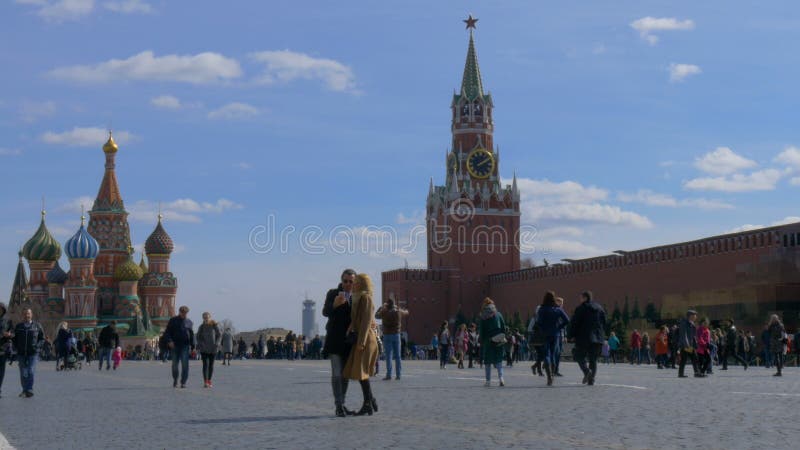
(287, 405)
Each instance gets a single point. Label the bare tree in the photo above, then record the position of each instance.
(527, 263)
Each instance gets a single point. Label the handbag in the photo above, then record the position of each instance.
(499, 339)
(351, 338)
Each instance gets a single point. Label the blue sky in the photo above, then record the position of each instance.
(629, 124)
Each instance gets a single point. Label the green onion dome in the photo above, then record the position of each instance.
(128, 271)
(42, 246)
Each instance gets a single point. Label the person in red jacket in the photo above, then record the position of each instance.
(636, 347)
(662, 347)
(703, 341)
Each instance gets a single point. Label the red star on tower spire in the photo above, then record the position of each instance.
(470, 21)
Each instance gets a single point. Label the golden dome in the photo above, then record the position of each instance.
(110, 146)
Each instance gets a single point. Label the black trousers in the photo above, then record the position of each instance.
(730, 352)
(208, 365)
(690, 356)
(2, 367)
(588, 353)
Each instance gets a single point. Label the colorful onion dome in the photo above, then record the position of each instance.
(82, 245)
(128, 271)
(56, 275)
(42, 246)
(159, 242)
(110, 146)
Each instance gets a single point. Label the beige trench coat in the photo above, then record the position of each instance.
(361, 363)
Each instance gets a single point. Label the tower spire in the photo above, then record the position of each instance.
(471, 83)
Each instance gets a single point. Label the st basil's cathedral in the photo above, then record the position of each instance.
(103, 282)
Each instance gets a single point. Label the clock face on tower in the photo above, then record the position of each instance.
(480, 163)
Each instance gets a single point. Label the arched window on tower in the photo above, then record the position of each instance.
(477, 109)
(465, 112)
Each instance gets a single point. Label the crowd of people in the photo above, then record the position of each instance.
(354, 343)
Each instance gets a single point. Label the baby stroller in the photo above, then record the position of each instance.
(72, 360)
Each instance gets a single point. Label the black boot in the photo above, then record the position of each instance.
(549, 373)
(340, 411)
(370, 404)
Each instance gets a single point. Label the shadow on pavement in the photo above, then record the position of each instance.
(253, 419)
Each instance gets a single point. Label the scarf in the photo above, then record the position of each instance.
(488, 311)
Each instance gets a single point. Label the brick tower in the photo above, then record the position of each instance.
(108, 224)
(42, 252)
(80, 306)
(159, 286)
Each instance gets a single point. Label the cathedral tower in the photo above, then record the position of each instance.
(159, 286)
(80, 306)
(108, 224)
(42, 252)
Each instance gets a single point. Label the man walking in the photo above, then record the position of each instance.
(337, 309)
(6, 329)
(687, 342)
(180, 341)
(28, 339)
(391, 320)
(108, 340)
(588, 332)
(729, 349)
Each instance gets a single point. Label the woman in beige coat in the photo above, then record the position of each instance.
(363, 357)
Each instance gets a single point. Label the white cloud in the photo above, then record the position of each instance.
(285, 66)
(32, 111)
(790, 156)
(129, 7)
(202, 68)
(795, 181)
(243, 165)
(650, 198)
(234, 111)
(416, 218)
(723, 161)
(679, 72)
(10, 151)
(762, 180)
(646, 26)
(61, 10)
(180, 210)
(567, 248)
(85, 137)
(568, 201)
(750, 227)
(552, 232)
(166, 102)
(74, 205)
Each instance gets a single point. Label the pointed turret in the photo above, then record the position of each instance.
(471, 83)
(109, 197)
(514, 189)
(20, 284)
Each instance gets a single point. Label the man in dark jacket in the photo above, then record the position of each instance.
(179, 336)
(687, 343)
(108, 341)
(588, 332)
(6, 332)
(28, 338)
(729, 350)
(337, 309)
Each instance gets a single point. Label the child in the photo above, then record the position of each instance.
(605, 351)
(117, 357)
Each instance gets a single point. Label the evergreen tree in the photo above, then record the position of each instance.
(636, 314)
(626, 313)
(651, 313)
(616, 316)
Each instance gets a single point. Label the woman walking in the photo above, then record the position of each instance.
(62, 344)
(550, 320)
(662, 347)
(444, 344)
(462, 337)
(613, 346)
(227, 347)
(208, 339)
(777, 342)
(703, 350)
(363, 357)
(493, 339)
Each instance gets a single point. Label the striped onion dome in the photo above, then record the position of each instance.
(42, 246)
(56, 275)
(128, 271)
(82, 245)
(159, 242)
